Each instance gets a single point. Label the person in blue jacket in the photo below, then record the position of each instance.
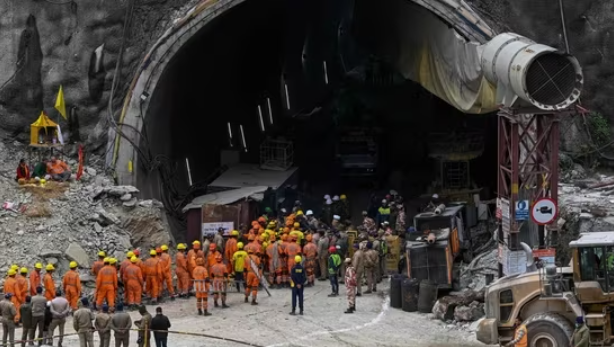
(298, 277)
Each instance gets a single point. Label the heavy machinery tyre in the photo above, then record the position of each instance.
(549, 330)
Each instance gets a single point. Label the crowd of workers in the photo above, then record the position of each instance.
(53, 169)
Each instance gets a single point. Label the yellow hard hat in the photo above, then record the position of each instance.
(265, 244)
(297, 259)
(112, 261)
(15, 267)
(106, 260)
(38, 266)
(134, 259)
(297, 225)
(43, 181)
(181, 246)
(299, 213)
(49, 267)
(24, 270)
(153, 252)
(73, 264)
(240, 245)
(130, 254)
(234, 233)
(343, 197)
(102, 254)
(164, 247)
(196, 242)
(12, 272)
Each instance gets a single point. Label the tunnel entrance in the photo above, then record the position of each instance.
(296, 73)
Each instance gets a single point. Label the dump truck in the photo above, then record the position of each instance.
(550, 299)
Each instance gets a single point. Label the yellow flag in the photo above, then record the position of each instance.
(59, 103)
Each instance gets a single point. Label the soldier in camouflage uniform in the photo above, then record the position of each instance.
(350, 285)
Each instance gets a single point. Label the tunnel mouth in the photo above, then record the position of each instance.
(552, 79)
(230, 91)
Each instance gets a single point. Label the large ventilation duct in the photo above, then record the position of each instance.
(524, 70)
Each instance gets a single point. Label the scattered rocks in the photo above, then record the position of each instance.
(469, 313)
(77, 253)
(460, 306)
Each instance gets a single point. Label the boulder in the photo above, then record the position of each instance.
(77, 253)
(48, 253)
(121, 190)
(147, 228)
(469, 313)
(445, 307)
(126, 197)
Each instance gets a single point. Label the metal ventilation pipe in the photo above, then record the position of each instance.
(537, 74)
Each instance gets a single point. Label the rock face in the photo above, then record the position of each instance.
(75, 44)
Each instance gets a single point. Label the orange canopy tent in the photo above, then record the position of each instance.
(43, 131)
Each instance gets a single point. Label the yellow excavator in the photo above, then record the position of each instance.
(549, 300)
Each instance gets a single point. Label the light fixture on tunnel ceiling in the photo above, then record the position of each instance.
(287, 96)
(144, 96)
(260, 119)
(325, 72)
(229, 134)
(243, 137)
(187, 167)
(270, 110)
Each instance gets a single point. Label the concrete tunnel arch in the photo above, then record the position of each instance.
(124, 158)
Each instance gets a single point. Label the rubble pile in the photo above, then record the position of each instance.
(81, 218)
(460, 307)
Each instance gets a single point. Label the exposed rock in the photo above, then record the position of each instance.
(445, 307)
(147, 228)
(131, 203)
(77, 253)
(47, 253)
(120, 191)
(469, 313)
(126, 197)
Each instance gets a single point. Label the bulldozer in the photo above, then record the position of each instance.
(549, 300)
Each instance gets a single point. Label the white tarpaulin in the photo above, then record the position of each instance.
(226, 197)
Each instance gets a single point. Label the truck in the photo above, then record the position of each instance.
(549, 300)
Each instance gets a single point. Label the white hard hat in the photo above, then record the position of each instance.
(329, 202)
(435, 196)
(336, 198)
(326, 197)
(283, 210)
(384, 201)
(335, 217)
(393, 192)
(309, 213)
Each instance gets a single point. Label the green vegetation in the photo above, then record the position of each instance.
(599, 127)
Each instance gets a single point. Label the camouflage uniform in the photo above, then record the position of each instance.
(350, 285)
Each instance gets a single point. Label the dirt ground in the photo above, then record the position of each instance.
(323, 324)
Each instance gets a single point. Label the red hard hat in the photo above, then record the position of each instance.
(332, 249)
(137, 252)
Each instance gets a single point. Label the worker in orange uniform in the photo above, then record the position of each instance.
(165, 263)
(106, 284)
(274, 252)
(213, 253)
(22, 283)
(285, 278)
(310, 252)
(193, 254)
(251, 243)
(125, 263)
(230, 249)
(201, 286)
(153, 275)
(520, 335)
(72, 285)
(219, 274)
(254, 273)
(292, 250)
(48, 282)
(133, 283)
(35, 278)
(181, 270)
(98, 264)
(10, 286)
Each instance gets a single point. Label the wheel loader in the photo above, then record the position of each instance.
(549, 300)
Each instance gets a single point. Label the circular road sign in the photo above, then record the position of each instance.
(544, 211)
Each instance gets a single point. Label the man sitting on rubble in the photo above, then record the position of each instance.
(23, 172)
(58, 170)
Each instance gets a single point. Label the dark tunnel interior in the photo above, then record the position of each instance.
(249, 56)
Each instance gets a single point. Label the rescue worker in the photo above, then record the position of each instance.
(194, 253)
(273, 252)
(297, 282)
(153, 274)
(133, 283)
(345, 207)
(580, 337)
(143, 324)
(106, 284)
(334, 262)
(350, 285)
(284, 260)
(165, 264)
(292, 250)
(371, 258)
(231, 248)
(98, 264)
(401, 221)
(181, 270)
(22, 283)
(218, 240)
(213, 252)
(60, 309)
(102, 325)
(121, 322)
(125, 263)
(48, 282)
(8, 313)
(11, 287)
(310, 252)
(71, 283)
(201, 287)
(238, 266)
(219, 275)
(383, 213)
(358, 262)
(520, 335)
(27, 332)
(82, 323)
(323, 244)
(35, 278)
(254, 273)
